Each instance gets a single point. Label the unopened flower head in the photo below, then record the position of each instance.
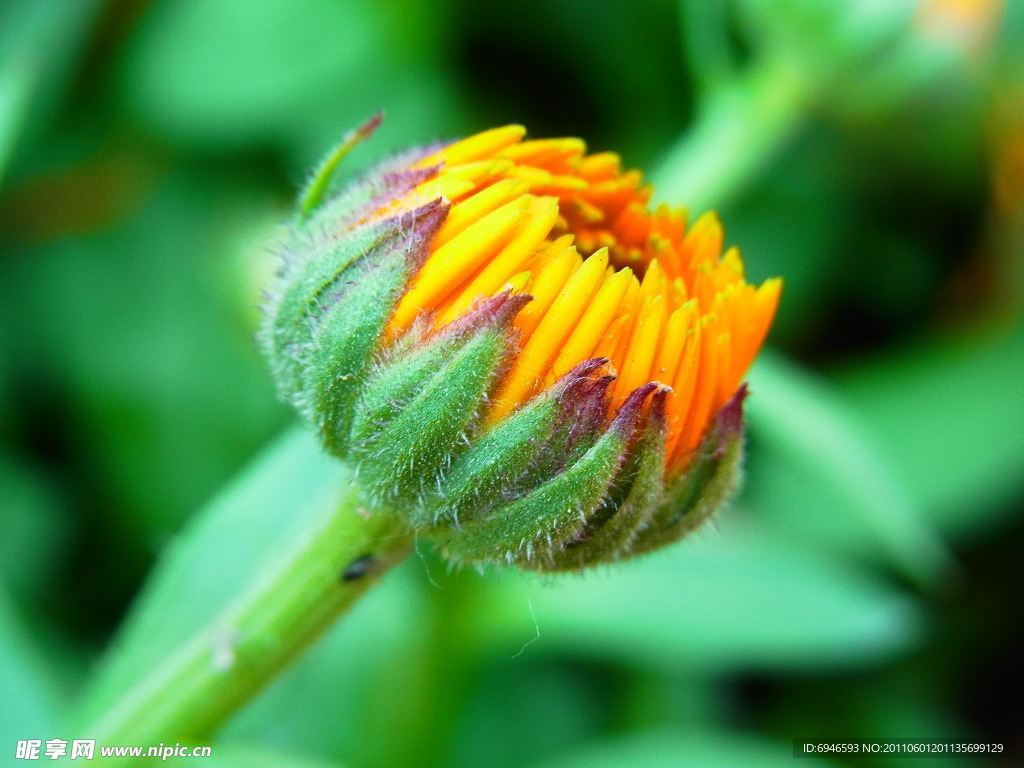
(526, 361)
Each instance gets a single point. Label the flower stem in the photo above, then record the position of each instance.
(193, 691)
(740, 126)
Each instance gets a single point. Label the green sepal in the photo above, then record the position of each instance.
(505, 462)
(327, 321)
(638, 493)
(417, 410)
(578, 427)
(357, 202)
(350, 332)
(321, 250)
(292, 313)
(712, 478)
(320, 217)
(319, 181)
(528, 532)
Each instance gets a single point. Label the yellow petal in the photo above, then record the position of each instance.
(671, 351)
(455, 260)
(643, 345)
(478, 146)
(474, 208)
(535, 225)
(591, 328)
(548, 283)
(543, 345)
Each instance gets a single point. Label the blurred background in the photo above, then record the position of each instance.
(867, 582)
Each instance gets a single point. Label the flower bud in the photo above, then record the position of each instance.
(524, 363)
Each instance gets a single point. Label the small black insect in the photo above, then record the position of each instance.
(358, 568)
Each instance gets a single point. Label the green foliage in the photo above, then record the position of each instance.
(862, 153)
(292, 75)
(33, 697)
(319, 181)
(41, 49)
(740, 599)
(805, 423)
(968, 387)
(286, 490)
(252, 756)
(664, 749)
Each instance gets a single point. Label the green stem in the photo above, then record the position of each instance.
(705, 45)
(739, 128)
(189, 694)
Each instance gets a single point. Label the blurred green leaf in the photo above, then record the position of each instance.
(255, 755)
(357, 695)
(947, 421)
(16, 80)
(736, 601)
(518, 712)
(31, 704)
(826, 34)
(807, 190)
(160, 394)
(222, 552)
(836, 471)
(39, 42)
(34, 530)
(145, 149)
(291, 73)
(745, 125)
(709, 52)
(670, 749)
